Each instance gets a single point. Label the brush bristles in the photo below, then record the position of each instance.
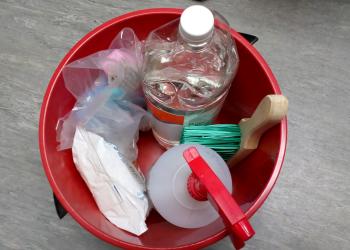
(225, 139)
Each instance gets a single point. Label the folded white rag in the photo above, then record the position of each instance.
(118, 188)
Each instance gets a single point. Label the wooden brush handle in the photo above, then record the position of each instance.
(269, 112)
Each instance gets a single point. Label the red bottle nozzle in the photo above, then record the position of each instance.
(196, 189)
(203, 183)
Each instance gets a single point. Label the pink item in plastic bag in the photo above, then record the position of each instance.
(114, 74)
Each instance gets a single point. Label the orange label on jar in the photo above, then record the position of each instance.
(164, 115)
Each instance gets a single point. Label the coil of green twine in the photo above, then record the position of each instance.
(225, 139)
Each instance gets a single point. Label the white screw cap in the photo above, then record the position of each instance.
(196, 24)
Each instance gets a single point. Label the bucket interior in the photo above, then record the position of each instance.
(250, 177)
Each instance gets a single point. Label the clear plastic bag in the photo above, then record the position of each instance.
(107, 86)
(119, 66)
(118, 122)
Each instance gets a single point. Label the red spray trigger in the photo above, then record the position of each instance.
(203, 183)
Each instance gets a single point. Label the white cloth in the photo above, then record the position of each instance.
(118, 188)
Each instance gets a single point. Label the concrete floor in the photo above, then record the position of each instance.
(307, 46)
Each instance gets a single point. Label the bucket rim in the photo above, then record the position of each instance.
(84, 223)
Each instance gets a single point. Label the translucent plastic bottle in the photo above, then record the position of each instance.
(189, 66)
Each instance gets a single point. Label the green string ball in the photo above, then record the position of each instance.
(225, 139)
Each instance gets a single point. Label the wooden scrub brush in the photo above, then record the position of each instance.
(234, 142)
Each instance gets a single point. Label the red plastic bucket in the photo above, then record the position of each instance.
(253, 178)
